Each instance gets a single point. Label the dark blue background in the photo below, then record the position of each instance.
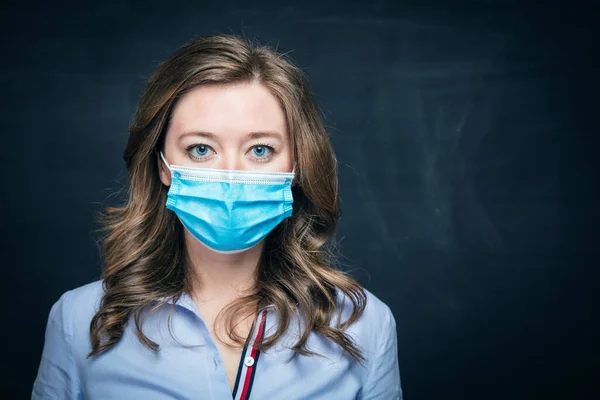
(467, 142)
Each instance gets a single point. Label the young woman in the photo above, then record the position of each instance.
(218, 280)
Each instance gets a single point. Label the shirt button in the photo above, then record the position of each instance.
(249, 361)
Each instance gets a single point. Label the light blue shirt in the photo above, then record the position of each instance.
(129, 370)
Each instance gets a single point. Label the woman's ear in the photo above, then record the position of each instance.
(163, 171)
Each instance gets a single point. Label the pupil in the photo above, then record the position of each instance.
(259, 150)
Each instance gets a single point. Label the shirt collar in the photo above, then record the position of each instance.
(186, 301)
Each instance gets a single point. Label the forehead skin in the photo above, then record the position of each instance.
(229, 111)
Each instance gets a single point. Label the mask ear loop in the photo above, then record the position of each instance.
(163, 158)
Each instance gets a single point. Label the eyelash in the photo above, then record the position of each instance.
(271, 150)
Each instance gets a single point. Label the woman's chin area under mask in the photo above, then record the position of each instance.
(216, 255)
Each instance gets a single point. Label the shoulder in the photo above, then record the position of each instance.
(86, 297)
(375, 328)
(81, 302)
(375, 334)
(375, 314)
(74, 310)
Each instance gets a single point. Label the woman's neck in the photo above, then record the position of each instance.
(220, 278)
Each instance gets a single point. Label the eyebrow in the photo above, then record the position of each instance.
(251, 135)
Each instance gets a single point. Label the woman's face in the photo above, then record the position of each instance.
(237, 126)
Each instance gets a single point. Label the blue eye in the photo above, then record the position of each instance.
(200, 150)
(261, 151)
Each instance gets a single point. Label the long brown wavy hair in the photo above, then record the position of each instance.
(143, 248)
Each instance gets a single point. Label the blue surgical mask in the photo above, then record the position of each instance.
(228, 210)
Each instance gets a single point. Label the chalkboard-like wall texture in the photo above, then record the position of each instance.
(467, 142)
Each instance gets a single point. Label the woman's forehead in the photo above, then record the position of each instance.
(239, 108)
